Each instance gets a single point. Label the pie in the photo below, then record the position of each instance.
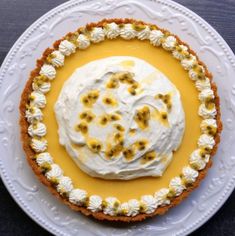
(120, 120)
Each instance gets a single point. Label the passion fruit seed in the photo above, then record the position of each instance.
(113, 83)
(119, 127)
(149, 156)
(164, 115)
(104, 120)
(109, 101)
(83, 115)
(82, 127)
(132, 91)
(128, 153)
(169, 106)
(141, 145)
(210, 104)
(142, 117)
(114, 117)
(94, 145)
(90, 98)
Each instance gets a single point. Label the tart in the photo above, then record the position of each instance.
(120, 120)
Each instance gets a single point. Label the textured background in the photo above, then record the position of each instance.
(17, 15)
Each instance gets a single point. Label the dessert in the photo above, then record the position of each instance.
(121, 119)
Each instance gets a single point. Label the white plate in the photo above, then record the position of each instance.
(33, 197)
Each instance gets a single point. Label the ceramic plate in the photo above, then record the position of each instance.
(19, 179)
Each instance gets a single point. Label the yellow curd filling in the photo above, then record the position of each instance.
(162, 60)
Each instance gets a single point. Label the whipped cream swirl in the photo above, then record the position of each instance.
(161, 197)
(169, 43)
(188, 63)
(149, 203)
(43, 158)
(57, 59)
(55, 173)
(198, 159)
(159, 140)
(33, 114)
(83, 41)
(78, 196)
(112, 30)
(37, 99)
(38, 144)
(203, 84)
(128, 32)
(65, 185)
(176, 186)
(189, 174)
(95, 203)
(38, 129)
(134, 207)
(67, 48)
(144, 33)
(156, 37)
(97, 35)
(48, 71)
(44, 87)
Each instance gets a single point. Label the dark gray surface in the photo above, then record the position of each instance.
(17, 15)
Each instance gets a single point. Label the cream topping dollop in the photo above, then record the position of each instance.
(123, 208)
(37, 99)
(43, 87)
(95, 203)
(38, 144)
(38, 129)
(112, 30)
(55, 173)
(161, 197)
(78, 196)
(149, 203)
(206, 94)
(111, 206)
(83, 41)
(128, 32)
(197, 73)
(206, 140)
(198, 159)
(203, 84)
(208, 126)
(65, 185)
(67, 48)
(180, 52)
(134, 207)
(188, 63)
(97, 35)
(144, 33)
(112, 150)
(189, 174)
(57, 58)
(176, 186)
(156, 37)
(205, 112)
(169, 43)
(33, 114)
(48, 71)
(43, 158)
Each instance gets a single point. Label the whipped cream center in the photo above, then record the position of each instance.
(120, 118)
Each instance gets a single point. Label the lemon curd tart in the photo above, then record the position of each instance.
(120, 120)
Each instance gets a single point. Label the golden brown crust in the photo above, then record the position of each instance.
(100, 215)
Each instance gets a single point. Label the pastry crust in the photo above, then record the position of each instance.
(30, 154)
